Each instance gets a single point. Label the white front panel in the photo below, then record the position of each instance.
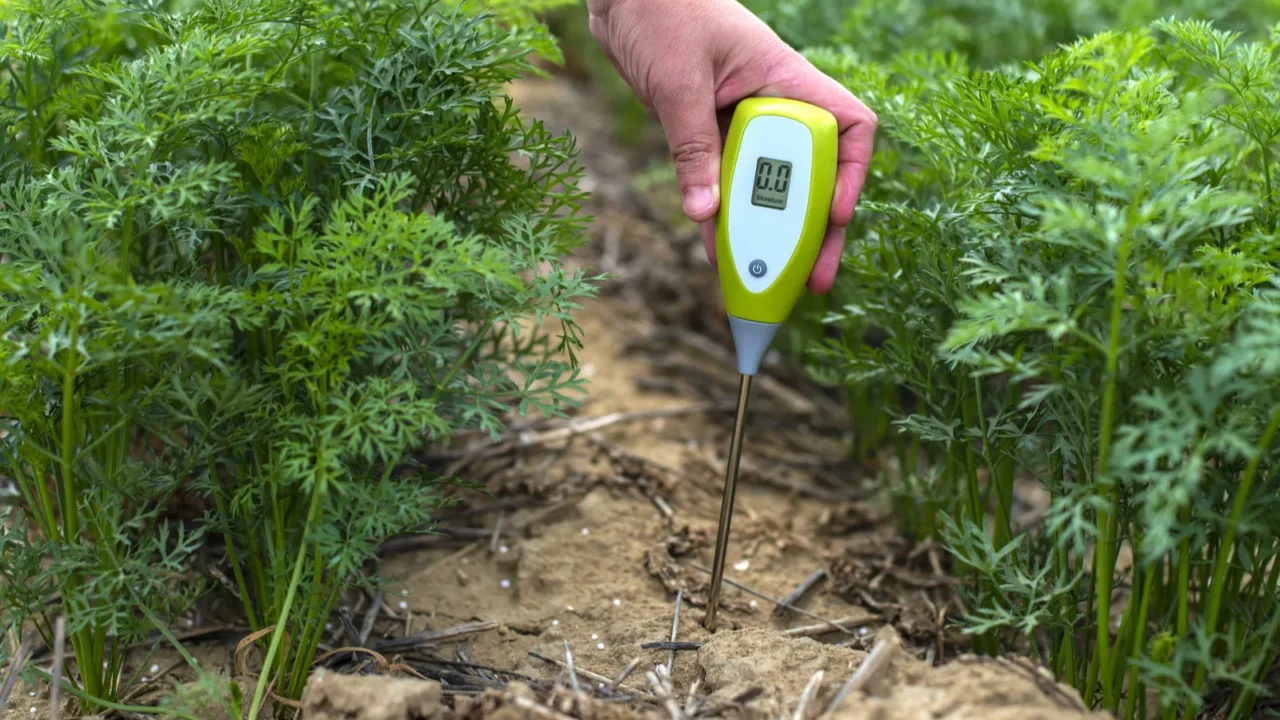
(762, 238)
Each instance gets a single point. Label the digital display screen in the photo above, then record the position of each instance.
(773, 182)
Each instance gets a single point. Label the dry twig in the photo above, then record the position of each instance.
(775, 601)
(675, 631)
(434, 637)
(823, 627)
(873, 664)
(15, 667)
(801, 590)
(59, 654)
(810, 690)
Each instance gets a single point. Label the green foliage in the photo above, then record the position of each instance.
(987, 32)
(260, 253)
(1073, 267)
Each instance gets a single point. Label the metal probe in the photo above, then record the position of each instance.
(726, 503)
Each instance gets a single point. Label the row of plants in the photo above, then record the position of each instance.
(255, 256)
(1068, 265)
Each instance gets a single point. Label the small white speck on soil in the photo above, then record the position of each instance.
(586, 531)
(599, 646)
(404, 605)
(742, 566)
(505, 583)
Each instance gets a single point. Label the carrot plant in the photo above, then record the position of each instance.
(1073, 265)
(259, 253)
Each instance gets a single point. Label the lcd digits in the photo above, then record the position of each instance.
(773, 182)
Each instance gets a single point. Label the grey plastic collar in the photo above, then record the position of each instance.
(752, 340)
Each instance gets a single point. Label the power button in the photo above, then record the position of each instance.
(757, 268)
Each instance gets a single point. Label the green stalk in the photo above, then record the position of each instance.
(1140, 634)
(1184, 595)
(283, 618)
(1218, 584)
(1105, 553)
(1119, 650)
(462, 361)
(1244, 706)
(82, 642)
(1184, 577)
(310, 641)
(245, 598)
(311, 625)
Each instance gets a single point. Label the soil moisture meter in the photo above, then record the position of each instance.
(777, 178)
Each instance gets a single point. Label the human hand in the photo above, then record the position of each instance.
(690, 61)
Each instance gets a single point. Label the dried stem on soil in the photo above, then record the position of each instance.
(59, 655)
(801, 590)
(776, 601)
(675, 631)
(434, 637)
(806, 697)
(15, 667)
(885, 646)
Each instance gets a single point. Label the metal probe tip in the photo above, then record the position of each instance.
(726, 504)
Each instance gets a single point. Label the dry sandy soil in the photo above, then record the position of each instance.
(593, 528)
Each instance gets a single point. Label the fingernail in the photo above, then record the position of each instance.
(699, 201)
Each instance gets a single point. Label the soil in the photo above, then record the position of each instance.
(591, 528)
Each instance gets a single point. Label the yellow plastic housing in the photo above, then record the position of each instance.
(775, 303)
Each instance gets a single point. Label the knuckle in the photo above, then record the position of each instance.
(692, 152)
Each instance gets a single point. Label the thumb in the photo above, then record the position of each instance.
(688, 117)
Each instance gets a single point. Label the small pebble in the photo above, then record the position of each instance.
(616, 602)
(753, 603)
(155, 669)
(569, 608)
(502, 548)
(554, 623)
(34, 710)
(742, 566)
(586, 531)
(595, 636)
(505, 583)
(599, 646)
